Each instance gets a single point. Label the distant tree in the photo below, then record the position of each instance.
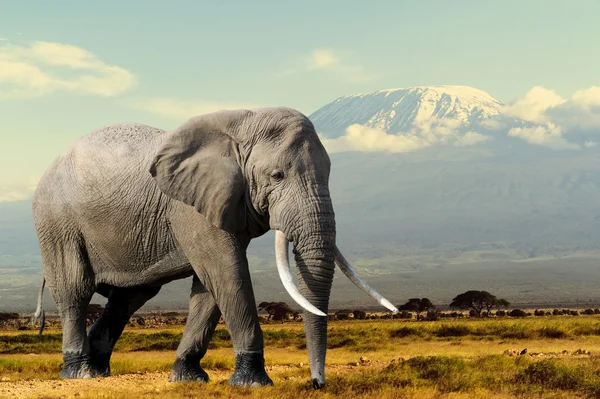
(477, 301)
(277, 310)
(499, 303)
(343, 314)
(417, 305)
(518, 313)
(359, 314)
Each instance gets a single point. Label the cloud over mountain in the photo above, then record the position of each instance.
(411, 119)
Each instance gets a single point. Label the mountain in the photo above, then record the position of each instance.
(398, 110)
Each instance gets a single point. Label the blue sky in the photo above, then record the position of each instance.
(71, 66)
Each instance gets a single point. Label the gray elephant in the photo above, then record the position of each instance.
(129, 208)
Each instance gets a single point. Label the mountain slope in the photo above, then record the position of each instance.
(397, 110)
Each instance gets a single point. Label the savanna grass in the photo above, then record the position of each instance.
(359, 336)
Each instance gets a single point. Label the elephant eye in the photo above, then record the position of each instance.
(277, 175)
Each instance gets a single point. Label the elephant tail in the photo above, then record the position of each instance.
(39, 311)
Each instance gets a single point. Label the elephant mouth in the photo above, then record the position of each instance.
(285, 274)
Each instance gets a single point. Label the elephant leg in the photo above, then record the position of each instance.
(223, 268)
(203, 318)
(66, 269)
(104, 333)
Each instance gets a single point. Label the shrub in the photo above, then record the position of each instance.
(449, 374)
(518, 313)
(452, 331)
(433, 315)
(553, 332)
(588, 311)
(551, 374)
(406, 332)
(404, 315)
(557, 312)
(500, 313)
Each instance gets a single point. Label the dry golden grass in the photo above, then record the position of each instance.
(406, 359)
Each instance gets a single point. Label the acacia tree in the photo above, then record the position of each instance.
(498, 303)
(477, 301)
(417, 305)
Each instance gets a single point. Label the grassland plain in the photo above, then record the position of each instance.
(375, 358)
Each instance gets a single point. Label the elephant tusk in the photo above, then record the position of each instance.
(349, 271)
(283, 267)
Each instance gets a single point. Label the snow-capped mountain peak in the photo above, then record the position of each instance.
(398, 110)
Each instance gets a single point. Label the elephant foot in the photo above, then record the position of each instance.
(250, 371)
(187, 371)
(79, 367)
(101, 363)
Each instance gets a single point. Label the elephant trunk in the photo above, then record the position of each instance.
(314, 250)
(315, 277)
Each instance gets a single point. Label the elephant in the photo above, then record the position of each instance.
(129, 207)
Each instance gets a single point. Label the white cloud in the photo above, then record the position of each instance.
(176, 109)
(547, 135)
(327, 60)
(541, 105)
(582, 111)
(534, 104)
(470, 138)
(44, 67)
(423, 135)
(17, 191)
(554, 117)
(590, 144)
(322, 59)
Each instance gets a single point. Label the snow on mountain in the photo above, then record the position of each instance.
(398, 110)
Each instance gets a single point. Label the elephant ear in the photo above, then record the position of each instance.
(198, 164)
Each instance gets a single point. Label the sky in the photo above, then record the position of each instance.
(68, 67)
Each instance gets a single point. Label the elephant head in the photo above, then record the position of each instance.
(254, 170)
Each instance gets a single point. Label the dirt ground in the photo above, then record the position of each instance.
(147, 384)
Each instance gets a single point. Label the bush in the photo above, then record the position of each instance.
(551, 374)
(500, 313)
(539, 313)
(518, 313)
(557, 312)
(452, 331)
(553, 332)
(406, 332)
(588, 311)
(404, 315)
(436, 367)
(433, 315)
